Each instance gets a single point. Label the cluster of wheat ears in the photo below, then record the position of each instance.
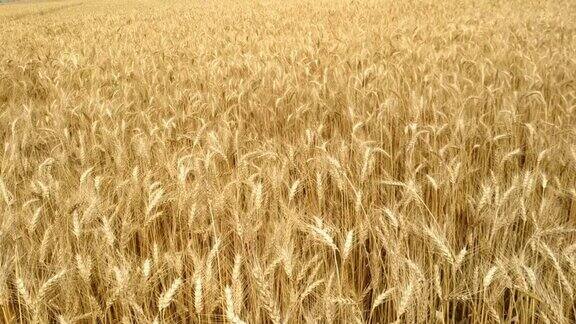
(291, 161)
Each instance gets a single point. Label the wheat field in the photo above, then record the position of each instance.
(288, 161)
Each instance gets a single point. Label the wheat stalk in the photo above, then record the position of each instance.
(230, 307)
(147, 141)
(198, 295)
(265, 296)
(381, 298)
(168, 296)
(348, 245)
(48, 286)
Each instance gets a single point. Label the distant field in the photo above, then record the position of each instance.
(288, 161)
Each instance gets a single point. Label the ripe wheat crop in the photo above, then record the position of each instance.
(289, 161)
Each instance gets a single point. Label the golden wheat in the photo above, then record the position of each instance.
(288, 161)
